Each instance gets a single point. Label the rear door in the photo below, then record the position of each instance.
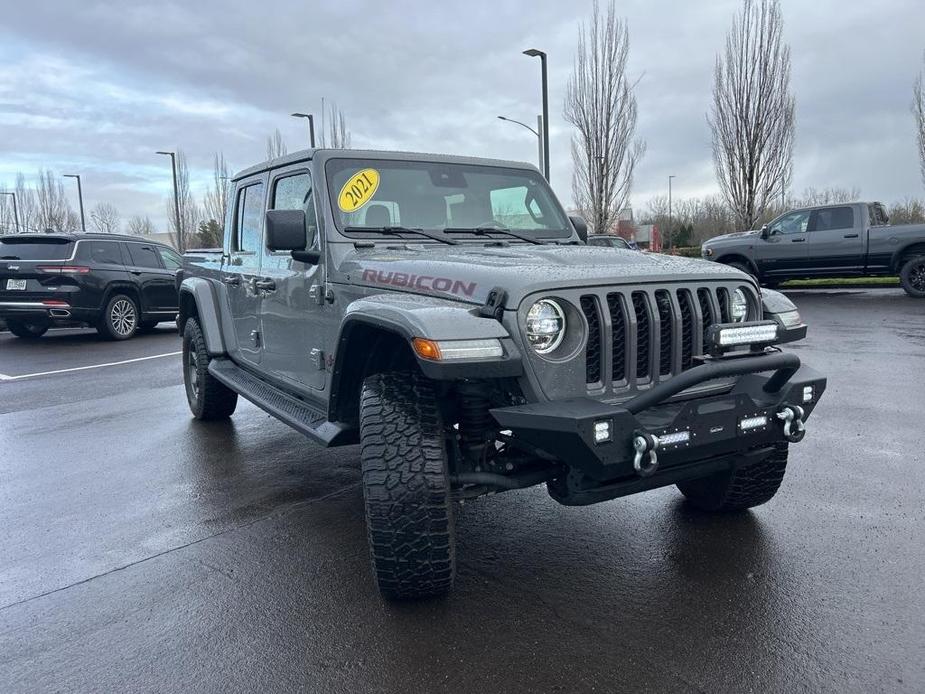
(20, 256)
(239, 274)
(155, 282)
(107, 264)
(290, 312)
(783, 252)
(836, 244)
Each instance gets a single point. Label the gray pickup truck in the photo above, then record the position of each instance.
(828, 241)
(445, 313)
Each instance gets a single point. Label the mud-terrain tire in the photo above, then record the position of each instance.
(409, 515)
(119, 320)
(208, 398)
(736, 490)
(27, 330)
(912, 277)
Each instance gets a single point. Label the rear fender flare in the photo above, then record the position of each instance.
(201, 293)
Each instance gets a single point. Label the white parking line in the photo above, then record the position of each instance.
(4, 377)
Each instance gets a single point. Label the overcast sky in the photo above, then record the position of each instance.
(96, 87)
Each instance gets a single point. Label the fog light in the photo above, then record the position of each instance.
(675, 438)
(750, 423)
(807, 393)
(602, 431)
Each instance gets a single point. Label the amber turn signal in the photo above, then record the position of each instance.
(426, 349)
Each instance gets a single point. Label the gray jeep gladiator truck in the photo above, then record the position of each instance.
(445, 313)
(844, 240)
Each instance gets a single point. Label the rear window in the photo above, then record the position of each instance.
(35, 249)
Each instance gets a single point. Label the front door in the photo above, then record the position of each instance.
(290, 308)
(836, 244)
(240, 272)
(783, 251)
(156, 282)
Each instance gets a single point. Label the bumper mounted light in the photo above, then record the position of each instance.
(726, 336)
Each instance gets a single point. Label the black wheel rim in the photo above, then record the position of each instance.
(917, 276)
(192, 373)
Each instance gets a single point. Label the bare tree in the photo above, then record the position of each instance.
(275, 145)
(53, 209)
(907, 211)
(216, 199)
(106, 218)
(752, 117)
(140, 226)
(189, 210)
(601, 104)
(918, 110)
(813, 197)
(338, 136)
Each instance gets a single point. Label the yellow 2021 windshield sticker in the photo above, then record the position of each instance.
(358, 190)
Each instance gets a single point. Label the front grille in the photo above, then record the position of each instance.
(653, 335)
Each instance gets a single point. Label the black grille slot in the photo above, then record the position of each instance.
(665, 333)
(722, 296)
(593, 352)
(687, 329)
(643, 334)
(706, 310)
(617, 335)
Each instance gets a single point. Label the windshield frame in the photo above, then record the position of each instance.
(371, 159)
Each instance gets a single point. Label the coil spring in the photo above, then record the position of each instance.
(476, 427)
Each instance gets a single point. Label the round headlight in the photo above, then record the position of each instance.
(739, 306)
(545, 326)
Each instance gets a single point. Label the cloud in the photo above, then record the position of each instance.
(100, 86)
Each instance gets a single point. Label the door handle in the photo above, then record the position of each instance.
(851, 236)
(135, 272)
(797, 240)
(265, 285)
(232, 281)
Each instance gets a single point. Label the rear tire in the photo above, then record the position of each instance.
(120, 318)
(736, 490)
(208, 398)
(25, 329)
(912, 277)
(409, 516)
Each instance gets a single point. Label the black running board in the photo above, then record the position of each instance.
(300, 415)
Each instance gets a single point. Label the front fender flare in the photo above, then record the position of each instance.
(202, 292)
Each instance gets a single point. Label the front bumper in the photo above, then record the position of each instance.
(704, 429)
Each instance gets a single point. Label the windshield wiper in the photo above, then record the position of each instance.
(485, 230)
(393, 230)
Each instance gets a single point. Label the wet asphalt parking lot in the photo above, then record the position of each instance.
(143, 551)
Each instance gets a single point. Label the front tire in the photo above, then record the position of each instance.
(744, 487)
(912, 277)
(409, 518)
(25, 329)
(120, 318)
(208, 398)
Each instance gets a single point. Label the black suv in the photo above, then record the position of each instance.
(117, 284)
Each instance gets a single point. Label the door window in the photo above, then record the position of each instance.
(793, 223)
(143, 255)
(249, 216)
(295, 193)
(172, 260)
(834, 218)
(101, 252)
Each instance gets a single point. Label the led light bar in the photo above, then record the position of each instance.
(675, 438)
(753, 422)
(457, 350)
(725, 336)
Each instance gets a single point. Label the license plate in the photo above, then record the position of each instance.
(15, 284)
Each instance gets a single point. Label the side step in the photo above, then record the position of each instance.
(298, 414)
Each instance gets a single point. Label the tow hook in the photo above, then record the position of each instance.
(645, 446)
(794, 429)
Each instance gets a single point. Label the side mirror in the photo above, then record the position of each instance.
(765, 233)
(285, 231)
(581, 227)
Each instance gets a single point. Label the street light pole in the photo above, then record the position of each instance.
(15, 210)
(534, 53)
(669, 211)
(539, 129)
(311, 125)
(176, 200)
(80, 197)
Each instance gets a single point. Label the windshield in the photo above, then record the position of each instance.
(373, 194)
(39, 248)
